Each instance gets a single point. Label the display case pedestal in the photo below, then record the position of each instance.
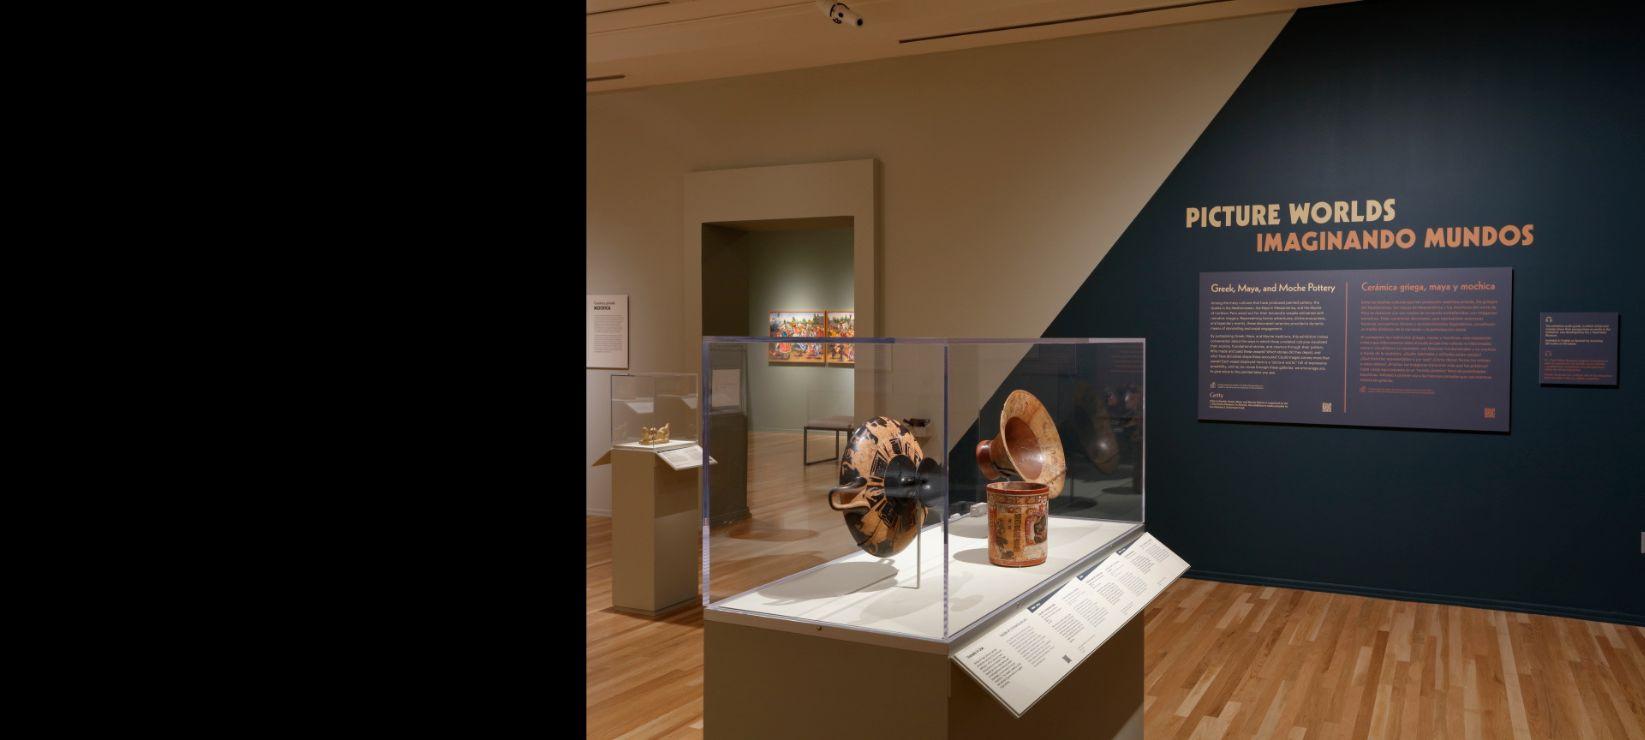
(655, 530)
(761, 683)
(728, 445)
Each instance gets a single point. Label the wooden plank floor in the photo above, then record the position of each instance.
(1226, 660)
(1221, 660)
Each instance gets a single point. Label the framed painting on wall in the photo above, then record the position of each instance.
(842, 324)
(798, 325)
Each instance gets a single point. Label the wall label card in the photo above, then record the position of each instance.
(1577, 348)
(1425, 349)
(607, 331)
(1027, 654)
(727, 388)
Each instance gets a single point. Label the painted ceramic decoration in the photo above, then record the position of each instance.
(1017, 523)
(882, 525)
(1096, 430)
(1128, 402)
(1027, 448)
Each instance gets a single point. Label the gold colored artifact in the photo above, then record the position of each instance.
(654, 435)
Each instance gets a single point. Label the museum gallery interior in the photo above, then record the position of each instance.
(1113, 368)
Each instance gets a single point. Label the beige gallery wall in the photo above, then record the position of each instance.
(1006, 172)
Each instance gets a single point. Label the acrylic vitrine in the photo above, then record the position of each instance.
(649, 401)
(894, 537)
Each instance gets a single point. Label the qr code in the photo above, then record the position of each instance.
(1490, 412)
(1325, 407)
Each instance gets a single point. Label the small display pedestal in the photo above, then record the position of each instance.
(655, 530)
(777, 683)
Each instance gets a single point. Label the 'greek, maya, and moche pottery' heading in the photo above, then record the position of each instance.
(1315, 213)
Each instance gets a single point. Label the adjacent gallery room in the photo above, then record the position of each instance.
(1113, 369)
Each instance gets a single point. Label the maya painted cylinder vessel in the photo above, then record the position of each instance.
(1017, 523)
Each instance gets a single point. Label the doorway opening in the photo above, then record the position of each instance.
(793, 279)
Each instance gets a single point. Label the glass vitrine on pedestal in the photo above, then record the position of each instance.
(654, 491)
(653, 401)
(867, 569)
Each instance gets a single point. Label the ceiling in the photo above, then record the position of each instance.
(640, 43)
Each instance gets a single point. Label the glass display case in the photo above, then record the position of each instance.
(976, 473)
(654, 410)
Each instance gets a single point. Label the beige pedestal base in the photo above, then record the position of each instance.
(764, 683)
(655, 530)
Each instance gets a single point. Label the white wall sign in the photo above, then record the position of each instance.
(727, 388)
(1027, 654)
(607, 332)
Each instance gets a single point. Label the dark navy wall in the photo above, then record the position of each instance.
(1466, 117)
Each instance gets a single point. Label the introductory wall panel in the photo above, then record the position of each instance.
(1467, 123)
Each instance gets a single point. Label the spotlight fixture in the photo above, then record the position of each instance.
(839, 13)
